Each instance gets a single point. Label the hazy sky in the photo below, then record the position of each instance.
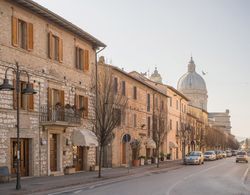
(142, 34)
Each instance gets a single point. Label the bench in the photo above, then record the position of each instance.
(4, 174)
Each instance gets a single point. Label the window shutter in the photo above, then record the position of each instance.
(14, 31)
(86, 106)
(31, 101)
(50, 45)
(83, 59)
(14, 95)
(77, 101)
(60, 50)
(62, 97)
(77, 57)
(30, 39)
(49, 97)
(86, 60)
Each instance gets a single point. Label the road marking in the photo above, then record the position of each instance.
(78, 191)
(244, 175)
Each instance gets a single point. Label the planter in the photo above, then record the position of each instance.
(155, 160)
(136, 163)
(68, 171)
(149, 161)
(142, 161)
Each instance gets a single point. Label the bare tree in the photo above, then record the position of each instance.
(159, 126)
(110, 105)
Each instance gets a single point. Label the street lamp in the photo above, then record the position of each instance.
(28, 91)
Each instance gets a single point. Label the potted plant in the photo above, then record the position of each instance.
(135, 146)
(142, 160)
(69, 170)
(169, 156)
(162, 156)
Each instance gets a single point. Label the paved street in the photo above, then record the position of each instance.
(217, 177)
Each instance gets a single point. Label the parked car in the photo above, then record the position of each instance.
(194, 157)
(242, 156)
(234, 152)
(210, 155)
(229, 153)
(224, 154)
(218, 154)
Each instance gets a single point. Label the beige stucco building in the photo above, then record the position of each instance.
(60, 59)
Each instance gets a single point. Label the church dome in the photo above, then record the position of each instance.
(192, 81)
(156, 77)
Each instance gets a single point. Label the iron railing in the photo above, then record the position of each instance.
(60, 114)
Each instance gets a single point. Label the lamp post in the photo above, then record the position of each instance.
(28, 91)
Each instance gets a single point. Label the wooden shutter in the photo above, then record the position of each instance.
(86, 60)
(14, 95)
(86, 107)
(62, 97)
(60, 53)
(14, 31)
(49, 108)
(30, 38)
(50, 45)
(83, 60)
(31, 101)
(77, 101)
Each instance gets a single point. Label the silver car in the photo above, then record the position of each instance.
(210, 155)
(242, 156)
(194, 158)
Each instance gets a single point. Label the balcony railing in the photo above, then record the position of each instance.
(60, 114)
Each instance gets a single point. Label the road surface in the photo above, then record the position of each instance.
(221, 177)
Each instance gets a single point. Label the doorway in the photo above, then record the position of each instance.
(80, 158)
(53, 152)
(24, 157)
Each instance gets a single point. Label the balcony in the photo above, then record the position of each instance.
(60, 116)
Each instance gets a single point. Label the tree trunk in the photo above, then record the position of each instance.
(157, 153)
(100, 162)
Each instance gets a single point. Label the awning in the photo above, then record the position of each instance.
(173, 144)
(83, 137)
(150, 143)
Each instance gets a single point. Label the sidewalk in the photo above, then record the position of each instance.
(39, 184)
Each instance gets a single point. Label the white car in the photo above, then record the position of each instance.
(210, 155)
(194, 158)
(242, 156)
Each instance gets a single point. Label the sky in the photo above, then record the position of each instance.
(143, 34)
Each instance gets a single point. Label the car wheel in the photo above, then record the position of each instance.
(246, 161)
(237, 161)
(203, 162)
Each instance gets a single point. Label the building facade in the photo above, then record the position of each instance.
(60, 59)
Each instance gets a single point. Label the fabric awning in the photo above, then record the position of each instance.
(83, 137)
(150, 143)
(173, 144)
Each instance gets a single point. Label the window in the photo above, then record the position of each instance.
(55, 47)
(115, 85)
(162, 105)
(134, 92)
(22, 34)
(177, 126)
(135, 122)
(26, 102)
(156, 103)
(82, 59)
(177, 104)
(123, 88)
(170, 101)
(148, 102)
(117, 116)
(170, 124)
(149, 125)
(81, 103)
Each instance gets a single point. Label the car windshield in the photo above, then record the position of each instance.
(241, 153)
(208, 153)
(194, 154)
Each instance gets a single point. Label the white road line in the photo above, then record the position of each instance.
(244, 175)
(76, 192)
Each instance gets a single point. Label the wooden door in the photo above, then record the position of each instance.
(79, 159)
(24, 157)
(53, 152)
(124, 149)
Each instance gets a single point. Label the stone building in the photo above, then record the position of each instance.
(138, 122)
(60, 59)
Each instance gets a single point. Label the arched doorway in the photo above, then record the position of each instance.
(125, 148)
